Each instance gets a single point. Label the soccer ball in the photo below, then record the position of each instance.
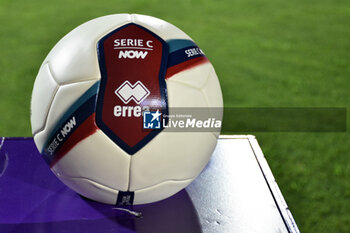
(91, 98)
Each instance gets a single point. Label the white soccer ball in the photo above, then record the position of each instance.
(89, 105)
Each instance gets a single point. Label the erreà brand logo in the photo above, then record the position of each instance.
(133, 48)
(127, 92)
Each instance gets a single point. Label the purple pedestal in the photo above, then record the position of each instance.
(32, 199)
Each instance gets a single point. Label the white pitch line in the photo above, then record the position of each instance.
(6, 163)
(2, 142)
(134, 213)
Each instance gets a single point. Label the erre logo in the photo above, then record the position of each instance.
(127, 92)
(132, 48)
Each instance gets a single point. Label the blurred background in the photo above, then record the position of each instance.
(267, 53)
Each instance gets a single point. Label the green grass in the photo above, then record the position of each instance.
(267, 54)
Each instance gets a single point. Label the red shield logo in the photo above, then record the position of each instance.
(133, 64)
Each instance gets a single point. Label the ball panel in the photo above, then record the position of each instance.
(169, 156)
(64, 98)
(213, 95)
(130, 82)
(160, 191)
(74, 57)
(44, 91)
(212, 90)
(196, 77)
(40, 139)
(99, 159)
(91, 189)
(160, 27)
(183, 95)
